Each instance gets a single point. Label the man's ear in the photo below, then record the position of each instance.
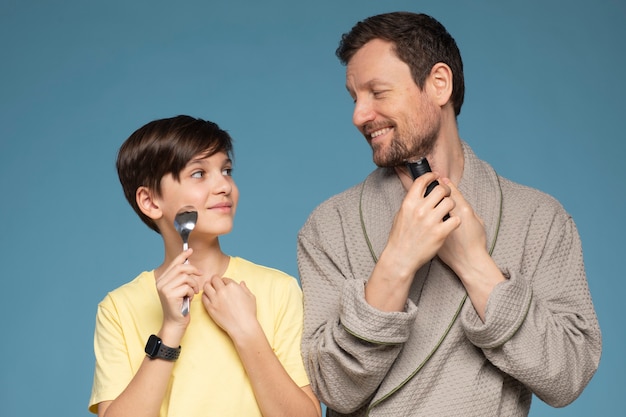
(148, 203)
(440, 80)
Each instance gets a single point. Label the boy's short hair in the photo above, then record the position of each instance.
(162, 147)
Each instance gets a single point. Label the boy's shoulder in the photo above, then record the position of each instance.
(261, 278)
(243, 267)
(142, 284)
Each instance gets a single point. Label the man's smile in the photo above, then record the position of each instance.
(380, 132)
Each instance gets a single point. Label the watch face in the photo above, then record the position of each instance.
(152, 347)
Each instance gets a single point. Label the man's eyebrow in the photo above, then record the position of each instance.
(377, 81)
(374, 82)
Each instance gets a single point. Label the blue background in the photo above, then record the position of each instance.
(544, 104)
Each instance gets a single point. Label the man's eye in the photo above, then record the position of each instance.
(228, 172)
(197, 174)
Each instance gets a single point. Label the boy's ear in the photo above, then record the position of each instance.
(148, 204)
(440, 80)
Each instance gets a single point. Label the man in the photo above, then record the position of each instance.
(409, 311)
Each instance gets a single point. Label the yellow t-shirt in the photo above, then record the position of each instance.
(208, 378)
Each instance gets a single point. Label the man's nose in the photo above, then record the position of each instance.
(363, 113)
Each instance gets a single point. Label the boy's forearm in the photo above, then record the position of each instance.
(276, 393)
(144, 394)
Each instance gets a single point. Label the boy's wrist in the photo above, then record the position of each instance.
(171, 335)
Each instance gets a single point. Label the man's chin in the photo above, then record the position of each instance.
(389, 161)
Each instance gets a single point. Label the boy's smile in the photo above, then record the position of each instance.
(207, 185)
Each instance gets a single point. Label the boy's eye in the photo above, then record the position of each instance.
(227, 172)
(197, 174)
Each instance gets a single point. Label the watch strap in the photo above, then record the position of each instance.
(155, 349)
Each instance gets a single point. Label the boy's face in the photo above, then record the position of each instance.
(207, 185)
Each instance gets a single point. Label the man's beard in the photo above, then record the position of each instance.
(400, 150)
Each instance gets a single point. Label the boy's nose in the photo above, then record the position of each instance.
(223, 185)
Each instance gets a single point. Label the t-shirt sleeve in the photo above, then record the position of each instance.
(113, 371)
(289, 333)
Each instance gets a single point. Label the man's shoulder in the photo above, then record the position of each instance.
(525, 198)
(348, 196)
(521, 191)
(328, 214)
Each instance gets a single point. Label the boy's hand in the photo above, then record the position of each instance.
(180, 279)
(231, 305)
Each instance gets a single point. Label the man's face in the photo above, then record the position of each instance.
(398, 120)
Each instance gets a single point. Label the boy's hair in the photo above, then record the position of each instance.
(419, 40)
(162, 147)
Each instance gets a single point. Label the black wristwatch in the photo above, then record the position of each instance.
(156, 349)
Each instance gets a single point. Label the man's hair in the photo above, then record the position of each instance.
(419, 40)
(162, 147)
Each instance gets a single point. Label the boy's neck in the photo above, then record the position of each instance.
(207, 258)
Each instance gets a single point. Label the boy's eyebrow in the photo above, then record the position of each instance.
(195, 161)
(201, 160)
(227, 161)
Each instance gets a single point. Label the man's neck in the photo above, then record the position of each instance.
(446, 159)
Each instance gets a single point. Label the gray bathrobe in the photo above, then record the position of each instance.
(437, 358)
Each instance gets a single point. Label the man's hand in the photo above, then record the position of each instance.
(418, 230)
(465, 252)
(417, 234)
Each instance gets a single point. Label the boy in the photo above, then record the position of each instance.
(237, 352)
